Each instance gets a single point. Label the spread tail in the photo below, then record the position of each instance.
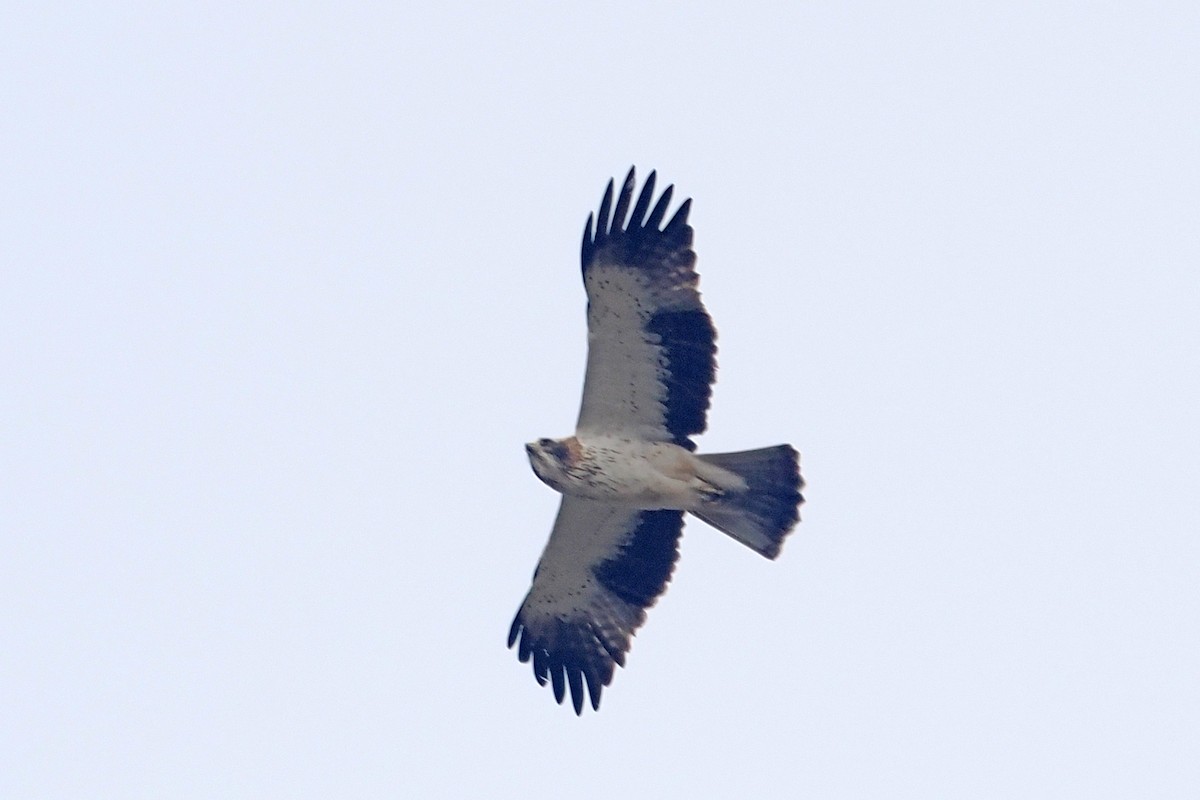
(763, 514)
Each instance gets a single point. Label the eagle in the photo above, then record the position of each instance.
(630, 471)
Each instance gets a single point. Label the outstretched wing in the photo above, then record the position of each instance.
(604, 565)
(651, 345)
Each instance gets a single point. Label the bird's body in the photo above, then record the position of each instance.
(640, 474)
(630, 472)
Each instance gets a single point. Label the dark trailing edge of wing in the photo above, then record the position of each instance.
(574, 652)
(689, 340)
(687, 334)
(640, 571)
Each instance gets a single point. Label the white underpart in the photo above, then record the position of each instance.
(624, 390)
(644, 475)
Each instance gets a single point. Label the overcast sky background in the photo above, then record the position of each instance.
(285, 289)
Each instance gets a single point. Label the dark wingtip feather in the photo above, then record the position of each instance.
(514, 631)
(605, 208)
(575, 677)
(681, 215)
(560, 684)
(585, 250)
(618, 219)
(660, 208)
(594, 686)
(639, 211)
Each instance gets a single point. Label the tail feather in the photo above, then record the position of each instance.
(762, 515)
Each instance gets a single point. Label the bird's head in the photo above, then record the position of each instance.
(550, 459)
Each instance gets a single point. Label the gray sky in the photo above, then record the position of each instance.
(283, 291)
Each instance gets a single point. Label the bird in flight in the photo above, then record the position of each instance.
(630, 471)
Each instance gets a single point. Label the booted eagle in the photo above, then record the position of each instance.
(630, 471)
